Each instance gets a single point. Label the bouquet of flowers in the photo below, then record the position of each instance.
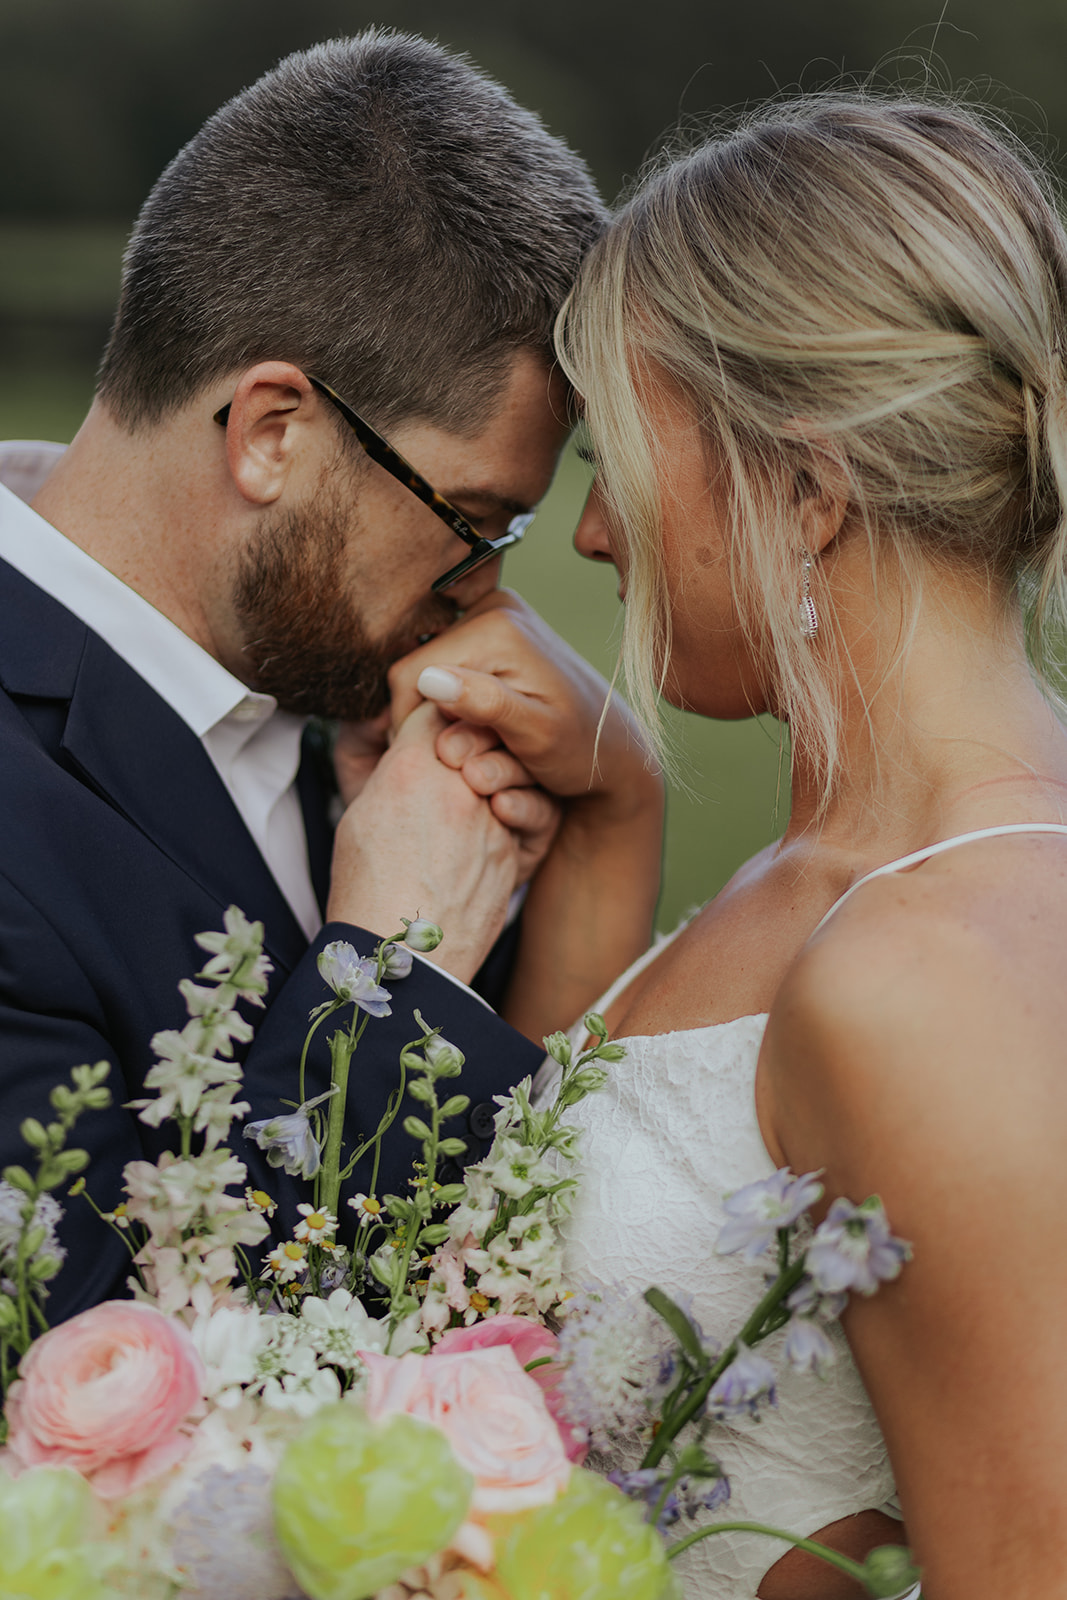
(402, 1415)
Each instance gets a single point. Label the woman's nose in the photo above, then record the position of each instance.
(591, 535)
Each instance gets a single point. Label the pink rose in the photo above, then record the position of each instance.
(531, 1341)
(492, 1413)
(104, 1393)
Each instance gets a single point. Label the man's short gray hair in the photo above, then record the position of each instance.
(373, 210)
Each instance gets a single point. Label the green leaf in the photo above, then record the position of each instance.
(679, 1324)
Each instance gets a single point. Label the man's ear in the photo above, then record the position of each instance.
(272, 405)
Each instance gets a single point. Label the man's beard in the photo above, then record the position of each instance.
(305, 641)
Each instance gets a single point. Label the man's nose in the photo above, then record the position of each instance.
(591, 535)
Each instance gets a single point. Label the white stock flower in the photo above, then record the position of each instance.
(338, 1328)
(238, 957)
(181, 1075)
(217, 1112)
(229, 1342)
(219, 1024)
(514, 1168)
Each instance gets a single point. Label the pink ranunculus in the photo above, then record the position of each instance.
(492, 1413)
(104, 1393)
(531, 1341)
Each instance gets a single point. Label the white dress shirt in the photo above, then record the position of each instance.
(254, 746)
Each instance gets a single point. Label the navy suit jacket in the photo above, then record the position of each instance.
(118, 843)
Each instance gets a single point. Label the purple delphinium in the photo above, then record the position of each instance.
(854, 1249)
(755, 1213)
(289, 1140)
(687, 1498)
(397, 961)
(807, 1346)
(354, 979)
(748, 1382)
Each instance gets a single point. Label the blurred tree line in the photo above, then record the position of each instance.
(97, 95)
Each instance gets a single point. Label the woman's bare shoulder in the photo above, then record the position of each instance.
(929, 1000)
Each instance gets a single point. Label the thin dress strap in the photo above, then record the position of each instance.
(935, 850)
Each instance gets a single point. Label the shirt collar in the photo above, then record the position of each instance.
(186, 676)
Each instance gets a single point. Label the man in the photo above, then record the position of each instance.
(227, 546)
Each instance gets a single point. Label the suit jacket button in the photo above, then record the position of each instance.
(480, 1120)
(450, 1171)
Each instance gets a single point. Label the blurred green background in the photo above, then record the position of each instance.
(97, 95)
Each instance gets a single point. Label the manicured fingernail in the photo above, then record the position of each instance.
(437, 684)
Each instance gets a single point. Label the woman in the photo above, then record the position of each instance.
(822, 363)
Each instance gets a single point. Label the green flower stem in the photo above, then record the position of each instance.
(657, 1512)
(753, 1331)
(834, 1558)
(342, 1049)
(388, 1118)
(328, 1011)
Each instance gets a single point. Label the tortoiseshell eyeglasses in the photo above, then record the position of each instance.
(382, 452)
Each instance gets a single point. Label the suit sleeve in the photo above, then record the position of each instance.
(497, 1057)
(50, 1022)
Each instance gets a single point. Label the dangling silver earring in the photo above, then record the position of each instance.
(808, 616)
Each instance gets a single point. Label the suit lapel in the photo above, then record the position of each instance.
(138, 754)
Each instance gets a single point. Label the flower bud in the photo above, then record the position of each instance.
(594, 1023)
(422, 934)
(889, 1570)
(558, 1046)
(611, 1052)
(445, 1059)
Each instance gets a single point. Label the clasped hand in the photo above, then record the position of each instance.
(452, 805)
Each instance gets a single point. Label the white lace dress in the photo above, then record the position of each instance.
(672, 1132)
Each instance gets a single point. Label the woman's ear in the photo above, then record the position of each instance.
(822, 497)
(265, 428)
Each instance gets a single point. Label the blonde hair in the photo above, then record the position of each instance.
(883, 282)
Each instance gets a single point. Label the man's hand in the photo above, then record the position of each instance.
(357, 751)
(419, 841)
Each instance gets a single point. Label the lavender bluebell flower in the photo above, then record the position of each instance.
(288, 1139)
(748, 1382)
(397, 961)
(756, 1212)
(807, 1346)
(854, 1249)
(808, 1300)
(354, 979)
(688, 1497)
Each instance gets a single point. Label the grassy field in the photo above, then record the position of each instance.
(50, 278)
